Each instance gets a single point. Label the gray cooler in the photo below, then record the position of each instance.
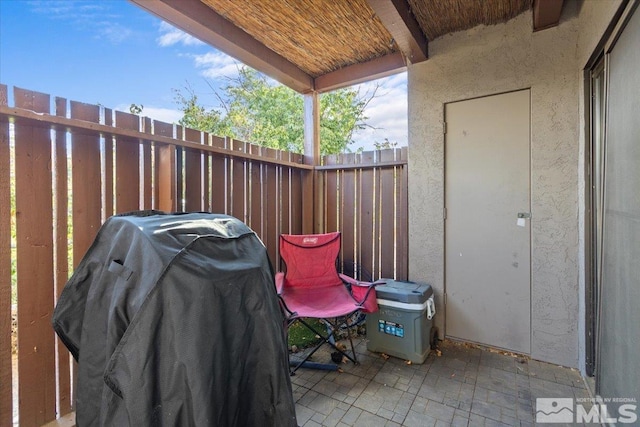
(401, 327)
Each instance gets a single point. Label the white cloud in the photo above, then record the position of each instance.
(113, 32)
(216, 64)
(62, 9)
(167, 115)
(387, 113)
(89, 16)
(170, 36)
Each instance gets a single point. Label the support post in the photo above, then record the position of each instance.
(312, 206)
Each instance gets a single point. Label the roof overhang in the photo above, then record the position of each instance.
(546, 14)
(202, 22)
(323, 45)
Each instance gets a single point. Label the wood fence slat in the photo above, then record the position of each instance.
(255, 193)
(147, 178)
(402, 268)
(206, 175)
(6, 397)
(348, 203)
(285, 199)
(388, 221)
(86, 176)
(62, 255)
(193, 174)
(332, 191)
(108, 184)
(306, 211)
(238, 182)
(180, 170)
(168, 169)
(156, 176)
(127, 168)
(367, 242)
(86, 185)
(34, 235)
(297, 196)
(271, 223)
(218, 178)
(165, 169)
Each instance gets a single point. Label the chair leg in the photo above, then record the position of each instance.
(325, 339)
(353, 349)
(334, 327)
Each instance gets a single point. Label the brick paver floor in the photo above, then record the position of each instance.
(465, 386)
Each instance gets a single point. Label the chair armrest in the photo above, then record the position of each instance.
(363, 293)
(279, 282)
(289, 314)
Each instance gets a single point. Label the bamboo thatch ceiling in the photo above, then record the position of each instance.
(437, 18)
(320, 45)
(312, 34)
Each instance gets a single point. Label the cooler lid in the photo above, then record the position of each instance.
(401, 291)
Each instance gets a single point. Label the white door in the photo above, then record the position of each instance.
(487, 228)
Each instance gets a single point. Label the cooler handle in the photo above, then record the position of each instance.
(431, 308)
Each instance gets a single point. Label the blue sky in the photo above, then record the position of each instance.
(113, 53)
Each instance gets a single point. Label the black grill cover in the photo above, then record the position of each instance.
(174, 321)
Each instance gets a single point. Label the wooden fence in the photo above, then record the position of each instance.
(67, 166)
(365, 198)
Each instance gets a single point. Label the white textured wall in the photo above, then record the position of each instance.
(490, 60)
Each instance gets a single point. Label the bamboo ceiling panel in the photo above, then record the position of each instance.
(319, 36)
(440, 17)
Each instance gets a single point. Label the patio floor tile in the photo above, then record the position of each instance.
(465, 386)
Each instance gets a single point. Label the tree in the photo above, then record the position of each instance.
(385, 145)
(254, 110)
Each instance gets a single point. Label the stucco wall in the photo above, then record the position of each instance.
(485, 61)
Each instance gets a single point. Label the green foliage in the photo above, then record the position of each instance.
(254, 110)
(12, 208)
(385, 145)
(341, 115)
(136, 109)
(14, 277)
(301, 336)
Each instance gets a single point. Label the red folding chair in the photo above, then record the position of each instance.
(311, 287)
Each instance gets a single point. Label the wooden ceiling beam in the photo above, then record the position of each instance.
(202, 22)
(546, 14)
(396, 16)
(358, 73)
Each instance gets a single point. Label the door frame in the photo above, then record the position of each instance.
(592, 286)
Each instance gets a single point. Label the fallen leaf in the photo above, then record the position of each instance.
(408, 362)
(384, 356)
